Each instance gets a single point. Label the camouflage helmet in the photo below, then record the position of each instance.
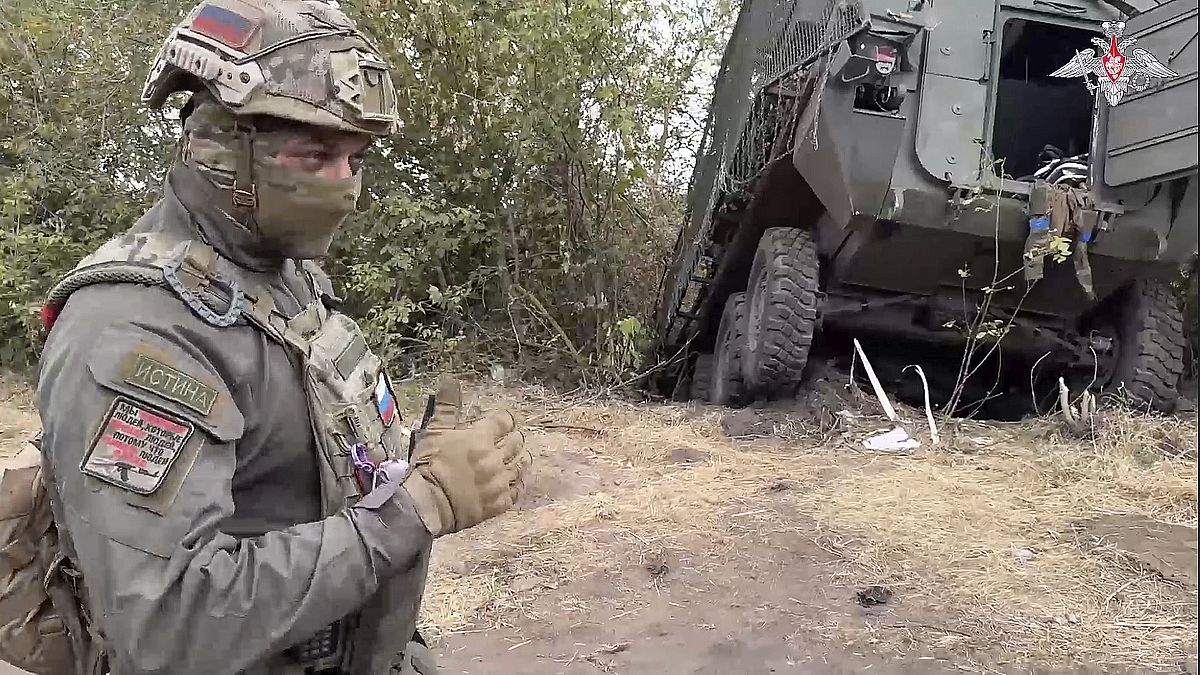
(302, 60)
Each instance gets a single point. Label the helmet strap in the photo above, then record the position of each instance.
(245, 197)
(188, 107)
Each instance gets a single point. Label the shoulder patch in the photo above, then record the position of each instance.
(169, 370)
(136, 446)
(146, 372)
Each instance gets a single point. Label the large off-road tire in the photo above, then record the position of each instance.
(1150, 346)
(701, 385)
(781, 312)
(726, 387)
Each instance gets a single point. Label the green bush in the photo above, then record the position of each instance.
(522, 215)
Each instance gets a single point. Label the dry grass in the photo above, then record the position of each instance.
(18, 419)
(498, 568)
(993, 531)
(982, 526)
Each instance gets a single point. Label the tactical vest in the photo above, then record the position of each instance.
(354, 414)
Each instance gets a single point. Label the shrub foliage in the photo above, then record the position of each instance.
(522, 215)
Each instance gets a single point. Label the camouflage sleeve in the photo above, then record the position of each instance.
(144, 481)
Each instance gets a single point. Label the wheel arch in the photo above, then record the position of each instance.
(782, 197)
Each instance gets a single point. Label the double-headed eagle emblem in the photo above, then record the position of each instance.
(1115, 73)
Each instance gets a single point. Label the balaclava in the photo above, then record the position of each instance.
(282, 212)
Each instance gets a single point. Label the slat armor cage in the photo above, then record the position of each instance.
(773, 42)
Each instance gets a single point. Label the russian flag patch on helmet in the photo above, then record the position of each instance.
(231, 23)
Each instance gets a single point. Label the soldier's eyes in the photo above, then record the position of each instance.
(320, 156)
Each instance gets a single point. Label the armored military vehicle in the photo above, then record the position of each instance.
(924, 171)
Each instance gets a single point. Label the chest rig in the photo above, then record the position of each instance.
(353, 410)
(351, 404)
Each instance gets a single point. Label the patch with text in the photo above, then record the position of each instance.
(136, 446)
(170, 383)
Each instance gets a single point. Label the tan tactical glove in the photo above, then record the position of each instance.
(464, 473)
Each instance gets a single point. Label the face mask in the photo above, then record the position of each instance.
(298, 213)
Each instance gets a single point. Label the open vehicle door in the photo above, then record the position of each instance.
(1151, 134)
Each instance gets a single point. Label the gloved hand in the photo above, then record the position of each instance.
(465, 473)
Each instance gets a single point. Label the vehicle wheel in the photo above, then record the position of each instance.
(702, 377)
(726, 384)
(781, 311)
(1150, 346)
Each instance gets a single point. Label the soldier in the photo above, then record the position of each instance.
(231, 481)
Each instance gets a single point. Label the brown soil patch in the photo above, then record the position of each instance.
(1164, 550)
(18, 418)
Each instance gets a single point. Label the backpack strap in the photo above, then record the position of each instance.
(293, 332)
(64, 586)
(44, 623)
(321, 283)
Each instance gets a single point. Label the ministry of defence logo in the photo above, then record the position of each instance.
(1116, 74)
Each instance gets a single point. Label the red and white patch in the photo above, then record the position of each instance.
(136, 446)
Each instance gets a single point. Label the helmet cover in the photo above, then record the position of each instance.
(302, 60)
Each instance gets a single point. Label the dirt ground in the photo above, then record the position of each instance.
(673, 539)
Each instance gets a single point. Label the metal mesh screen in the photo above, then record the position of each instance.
(793, 35)
(772, 43)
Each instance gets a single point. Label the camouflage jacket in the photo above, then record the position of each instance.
(191, 490)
